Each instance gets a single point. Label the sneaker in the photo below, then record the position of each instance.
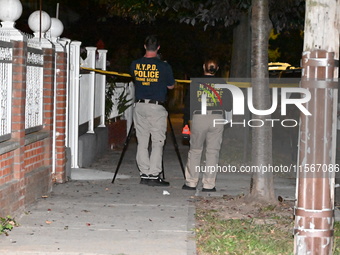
(209, 190)
(144, 179)
(155, 180)
(186, 187)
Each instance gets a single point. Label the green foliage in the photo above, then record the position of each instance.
(288, 14)
(138, 11)
(122, 102)
(286, 47)
(7, 224)
(274, 55)
(284, 14)
(273, 35)
(268, 208)
(108, 99)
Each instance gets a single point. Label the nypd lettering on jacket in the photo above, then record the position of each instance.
(146, 73)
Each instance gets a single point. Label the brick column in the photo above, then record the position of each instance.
(48, 103)
(60, 125)
(18, 121)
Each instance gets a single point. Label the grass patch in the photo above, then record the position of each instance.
(336, 249)
(242, 236)
(234, 229)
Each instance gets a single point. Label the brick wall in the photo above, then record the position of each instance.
(12, 189)
(26, 162)
(6, 168)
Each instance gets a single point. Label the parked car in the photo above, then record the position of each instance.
(291, 73)
(278, 66)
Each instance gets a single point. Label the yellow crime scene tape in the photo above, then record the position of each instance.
(238, 84)
(105, 72)
(122, 74)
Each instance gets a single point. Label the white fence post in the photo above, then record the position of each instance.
(74, 80)
(67, 44)
(87, 95)
(100, 88)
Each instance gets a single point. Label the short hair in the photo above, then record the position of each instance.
(151, 43)
(211, 65)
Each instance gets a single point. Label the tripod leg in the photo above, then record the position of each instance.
(126, 143)
(163, 174)
(176, 146)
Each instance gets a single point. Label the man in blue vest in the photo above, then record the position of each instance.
(152, 78)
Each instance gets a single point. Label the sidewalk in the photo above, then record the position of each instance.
(90, 215)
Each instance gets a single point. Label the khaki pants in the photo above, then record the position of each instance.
(203, 131)
(150, 119)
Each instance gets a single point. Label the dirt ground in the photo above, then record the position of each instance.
(230, 207)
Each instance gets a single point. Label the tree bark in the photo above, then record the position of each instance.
(314, 210)
(240, 68)
(241, 53)
(262, 187)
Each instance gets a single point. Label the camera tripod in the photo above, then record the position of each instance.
(126, 143)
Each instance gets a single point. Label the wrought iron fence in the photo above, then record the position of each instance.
(34, 88)
(6, 56)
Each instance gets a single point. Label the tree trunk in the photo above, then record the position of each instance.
(262, 187)
(241, 53)
(240, 68)
(314, 213)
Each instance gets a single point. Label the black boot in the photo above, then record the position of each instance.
(144, 179)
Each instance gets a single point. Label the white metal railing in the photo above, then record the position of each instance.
(6, 56)
(86, 94)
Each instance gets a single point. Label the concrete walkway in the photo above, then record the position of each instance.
(90, 215)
